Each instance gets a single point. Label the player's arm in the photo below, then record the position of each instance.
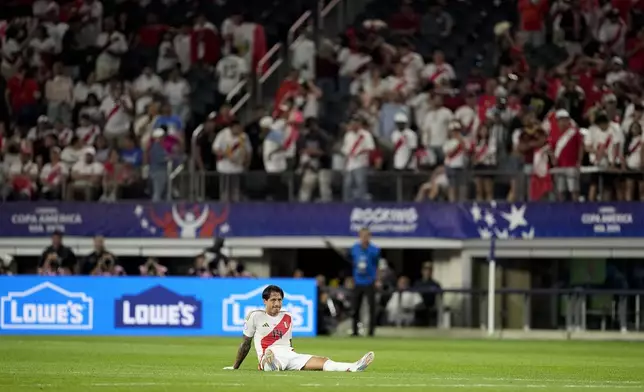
(244, 347)
(242, 352)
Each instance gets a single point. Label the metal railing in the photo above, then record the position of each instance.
(388, 186)
(568, 309)
(261, 76)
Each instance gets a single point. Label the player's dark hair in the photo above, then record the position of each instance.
(266, 294)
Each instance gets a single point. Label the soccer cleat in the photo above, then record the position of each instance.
(269, 363)
(364, 362)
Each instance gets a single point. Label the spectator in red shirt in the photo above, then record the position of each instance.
(24, 94)
(151, 33)
(405, 22)
(567, 146)
(533, 15)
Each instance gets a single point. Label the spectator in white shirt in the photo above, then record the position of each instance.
(42, 46)
(467, 115)
(73, 152)
(454, 149)
(167, 58)
(435, 126)
(405, 144)
(23, 175)
(145, 87)
(59, 95)
(87, 176)
(272, 147)
(231, 70)
(413, 64)
(181, 45)
(602, 142)
(356, 148)
(87, 131)
(177, 92)
(483, 158)
(112, 45)
(117, 112)
(401, 307)
(612, 34)
(233, 151)
(53, 176)
(303, 56)
(438, 72)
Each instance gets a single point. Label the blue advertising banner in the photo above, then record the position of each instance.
(145, 306)
(426, 220)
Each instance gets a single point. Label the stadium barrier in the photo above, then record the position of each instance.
(32, 305)
(568, 309)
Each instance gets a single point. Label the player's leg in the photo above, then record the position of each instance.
(327, 365)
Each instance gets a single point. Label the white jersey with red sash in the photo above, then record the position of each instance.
(438, 73)
(467, 116)
(356, 148)
(88, 134)
(484, 152)
(269, 331)
(454, 150)
(633, 154)
(52, 175)
(405, 145)
(602, 143)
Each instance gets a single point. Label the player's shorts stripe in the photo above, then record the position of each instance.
(280, 330)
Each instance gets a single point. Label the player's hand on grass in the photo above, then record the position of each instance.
(229, 368)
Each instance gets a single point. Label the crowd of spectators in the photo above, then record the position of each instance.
(559, 114)
(100, 103)
(98, 97)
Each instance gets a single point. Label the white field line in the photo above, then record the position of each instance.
(338, 384)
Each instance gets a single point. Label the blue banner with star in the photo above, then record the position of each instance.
(426, 220)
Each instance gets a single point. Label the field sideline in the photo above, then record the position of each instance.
(79, 364)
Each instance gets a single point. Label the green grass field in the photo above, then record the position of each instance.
(183, 364)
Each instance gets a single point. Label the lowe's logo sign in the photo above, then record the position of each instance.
(157, 307)
(46, 307)
(237, 306)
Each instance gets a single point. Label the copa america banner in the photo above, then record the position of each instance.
(426, 220)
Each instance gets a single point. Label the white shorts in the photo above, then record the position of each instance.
(288, 359)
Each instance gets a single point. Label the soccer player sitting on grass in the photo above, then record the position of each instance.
(271, 329)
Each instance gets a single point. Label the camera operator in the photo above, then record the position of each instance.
(57, 259)
(101, 261)
(152, 268)
(5, 265)
(215, 261)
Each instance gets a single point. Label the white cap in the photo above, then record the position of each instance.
(562, 113)
(43, 119)
(401, 117)
(90, 151)
(159, 132)
(266, 122)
